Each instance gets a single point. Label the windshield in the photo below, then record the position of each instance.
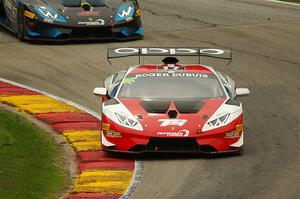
(171, 86)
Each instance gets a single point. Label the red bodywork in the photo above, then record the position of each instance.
(212, 141)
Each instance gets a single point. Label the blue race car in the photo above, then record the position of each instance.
(72, 19)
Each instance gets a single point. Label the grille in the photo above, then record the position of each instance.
(89, 32)
(172, 144)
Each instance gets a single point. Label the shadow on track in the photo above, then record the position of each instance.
(7, 32)
(172, 156)
(67, 42)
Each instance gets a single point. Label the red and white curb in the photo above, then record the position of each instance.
(100, 176)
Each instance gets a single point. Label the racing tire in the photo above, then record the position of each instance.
(2, 11)
(21, 25)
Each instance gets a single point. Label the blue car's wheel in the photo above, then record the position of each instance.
(21, 24)
(2, 11)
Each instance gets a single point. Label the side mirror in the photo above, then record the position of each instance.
(242, 91)
(101, 92)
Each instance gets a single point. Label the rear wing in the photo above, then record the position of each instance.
(113, 53)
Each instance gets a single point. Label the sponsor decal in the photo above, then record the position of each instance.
(239, 127)
(113, 134)
(181, 133)
(169, 51)
(126, 12)
(191, 75)
(105, 126)
(98, 22)
(88, 13)
(29, 14)
(170, 69)
(129, 80)
(232, 135)
(172, 122)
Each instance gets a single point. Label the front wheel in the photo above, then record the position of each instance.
(2, 11)
(21, 25)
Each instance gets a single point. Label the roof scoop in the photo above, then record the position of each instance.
(172, 114)
(170, 60)
(86, 6)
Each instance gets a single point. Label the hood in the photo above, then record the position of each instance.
(172, 118)
(182, 106)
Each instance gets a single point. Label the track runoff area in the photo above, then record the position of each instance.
(100, 175)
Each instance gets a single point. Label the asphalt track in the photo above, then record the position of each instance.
(265, 39)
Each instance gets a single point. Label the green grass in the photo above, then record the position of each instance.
(293, 1)
(31, 163)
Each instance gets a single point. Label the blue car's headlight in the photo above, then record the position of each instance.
(49, 14)
(125, 12)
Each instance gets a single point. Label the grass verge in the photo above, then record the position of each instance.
(31, 163)
(292, 1)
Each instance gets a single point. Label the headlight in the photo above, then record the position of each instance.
(125, 120)
(120, 115)
(49, 14)
(219, 121)
(125, 12)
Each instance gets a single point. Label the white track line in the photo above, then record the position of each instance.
(284, 2)
(97, 115)
(138, 172)
(139, 165)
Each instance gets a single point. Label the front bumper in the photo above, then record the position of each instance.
(210, 144)
(37, 30)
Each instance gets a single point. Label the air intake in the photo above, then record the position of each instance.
(156, 106)
(189, 106)
(86, 6)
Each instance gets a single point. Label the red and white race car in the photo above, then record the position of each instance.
(171, 107)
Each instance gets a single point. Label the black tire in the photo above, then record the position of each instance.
(2, 11)
(21, 25)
